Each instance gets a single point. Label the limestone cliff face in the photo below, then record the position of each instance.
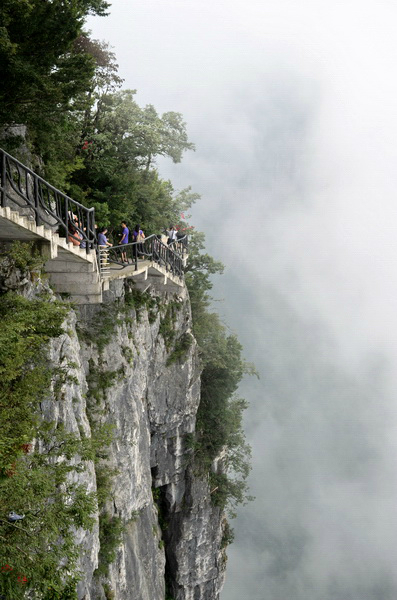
(117, 370)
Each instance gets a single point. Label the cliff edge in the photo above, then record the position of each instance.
(126, 376)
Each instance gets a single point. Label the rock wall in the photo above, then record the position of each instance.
(118, 371)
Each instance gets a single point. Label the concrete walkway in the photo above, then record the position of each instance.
(75, 273)
(148, 273)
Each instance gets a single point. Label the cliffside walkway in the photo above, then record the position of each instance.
(31, 209)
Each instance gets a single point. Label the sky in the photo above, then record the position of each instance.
(292, 108)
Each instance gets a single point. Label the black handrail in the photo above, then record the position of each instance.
(180, 245)
(151, 248)
(20, 186)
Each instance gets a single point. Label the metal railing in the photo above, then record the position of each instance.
(180, 245)
(151, 248)
(103, 260)
(20, 186)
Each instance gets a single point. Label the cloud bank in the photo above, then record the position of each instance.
(292, 109)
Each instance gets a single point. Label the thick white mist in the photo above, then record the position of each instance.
(292, 108)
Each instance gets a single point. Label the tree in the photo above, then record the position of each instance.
(38, 552)
(199, 269)
(121, 142)
(121, 129)
(39, 67)
(219, 430)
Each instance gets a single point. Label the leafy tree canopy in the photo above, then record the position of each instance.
(40, 68)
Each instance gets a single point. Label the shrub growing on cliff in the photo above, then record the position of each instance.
(181, 348)
(111, 531)
(25, 256)
(219, 430)
(24, 371)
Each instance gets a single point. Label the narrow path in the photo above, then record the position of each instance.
(33, 210)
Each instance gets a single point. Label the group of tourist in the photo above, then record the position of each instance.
(124, 235)
(76, 237)
(137, 236)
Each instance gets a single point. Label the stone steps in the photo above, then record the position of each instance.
(71, 270)
(45, 234)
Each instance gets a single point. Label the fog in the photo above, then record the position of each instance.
(292, 108)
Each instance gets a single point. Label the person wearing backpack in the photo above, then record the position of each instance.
(139, 236)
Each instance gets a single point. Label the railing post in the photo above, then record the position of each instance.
(66, 218)
(94, 236)
(35, 198)
(90, 231)
(3, 179)
(98, 258)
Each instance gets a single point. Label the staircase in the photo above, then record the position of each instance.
(71, 270)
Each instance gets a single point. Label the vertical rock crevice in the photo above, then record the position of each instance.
(171, 542)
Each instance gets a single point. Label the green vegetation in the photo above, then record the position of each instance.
(37, 553)
(25, 256)
(160, 502)
(93, 139)
(167, 324)
(111, 530)
(181, 348)
(100, 328)
(219, 419)
(138, 300)
(228, 535)
(47, 72)
(109, 593)
(26, 327)
(99, 381)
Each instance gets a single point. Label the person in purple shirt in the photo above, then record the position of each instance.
(102, 239)
(124, 239)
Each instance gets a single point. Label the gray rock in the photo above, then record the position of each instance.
(173, 540)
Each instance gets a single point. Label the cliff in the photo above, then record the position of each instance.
(127, 373)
